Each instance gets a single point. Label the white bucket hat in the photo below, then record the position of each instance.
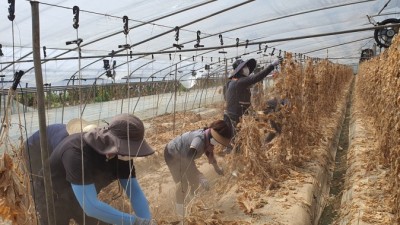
(74, 126)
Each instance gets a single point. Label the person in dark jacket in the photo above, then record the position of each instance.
(55, 134)
(180, 155)
(237, 89)
(85, 162)
(274, 105)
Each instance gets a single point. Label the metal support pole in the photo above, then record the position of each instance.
(41, 112)
(175, 90)
(3, 98)
(25, 99)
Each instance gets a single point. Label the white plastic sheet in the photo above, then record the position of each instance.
(99, 19)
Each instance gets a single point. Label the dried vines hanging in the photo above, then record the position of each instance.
(378, 86)
(309, 92)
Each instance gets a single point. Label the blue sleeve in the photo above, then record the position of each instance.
(93, 207)
(137, 197)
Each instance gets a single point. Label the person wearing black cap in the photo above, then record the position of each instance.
(237, 89)
(85, 162)
(180, 155)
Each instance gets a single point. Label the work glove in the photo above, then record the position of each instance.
(204, 182)
(219, 170)
(141, 221)
(277, 61)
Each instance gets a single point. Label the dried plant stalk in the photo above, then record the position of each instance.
(378, 87)
(310, 92)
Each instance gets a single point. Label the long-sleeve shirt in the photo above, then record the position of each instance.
(238, 93)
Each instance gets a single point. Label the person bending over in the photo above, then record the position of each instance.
(84, 163)
(181, 152)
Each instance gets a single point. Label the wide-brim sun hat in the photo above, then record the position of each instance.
(220, 139)
(123, 136)
(239, 64)
(77, 125)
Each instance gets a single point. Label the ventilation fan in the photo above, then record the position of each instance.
(384, 36)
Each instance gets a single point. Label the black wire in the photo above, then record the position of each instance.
(384, 6)
(119, 17)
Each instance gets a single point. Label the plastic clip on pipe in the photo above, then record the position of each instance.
(17, 79)
(44, 51)
(125, 19)
(178, 46)
(77, 42)
(11, 10)
(106, 63)
(221, 41)
(176, 33)
(126, 46)
(198, 40)
(273, 50)
(112, 53)
(259, 49)
(75, 11)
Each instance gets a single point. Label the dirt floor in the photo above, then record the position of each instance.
(297, 197)
(366, 194)
(288, 202)
(331, 210)
(152, 172)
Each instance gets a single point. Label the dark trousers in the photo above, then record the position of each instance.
(232, 122)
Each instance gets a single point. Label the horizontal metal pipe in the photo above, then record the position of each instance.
(190, 23)
(385, 14)
(316, 50)
(130, 28)
(139, 25)
(24, 56)
(282, 17)
(226, 46)
(195, 21)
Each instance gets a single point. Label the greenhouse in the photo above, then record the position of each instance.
(200, 112)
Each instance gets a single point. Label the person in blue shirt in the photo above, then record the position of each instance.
(85, 162)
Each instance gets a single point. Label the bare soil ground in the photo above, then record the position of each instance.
(296, 197)
(288, 202)
(367, 195)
